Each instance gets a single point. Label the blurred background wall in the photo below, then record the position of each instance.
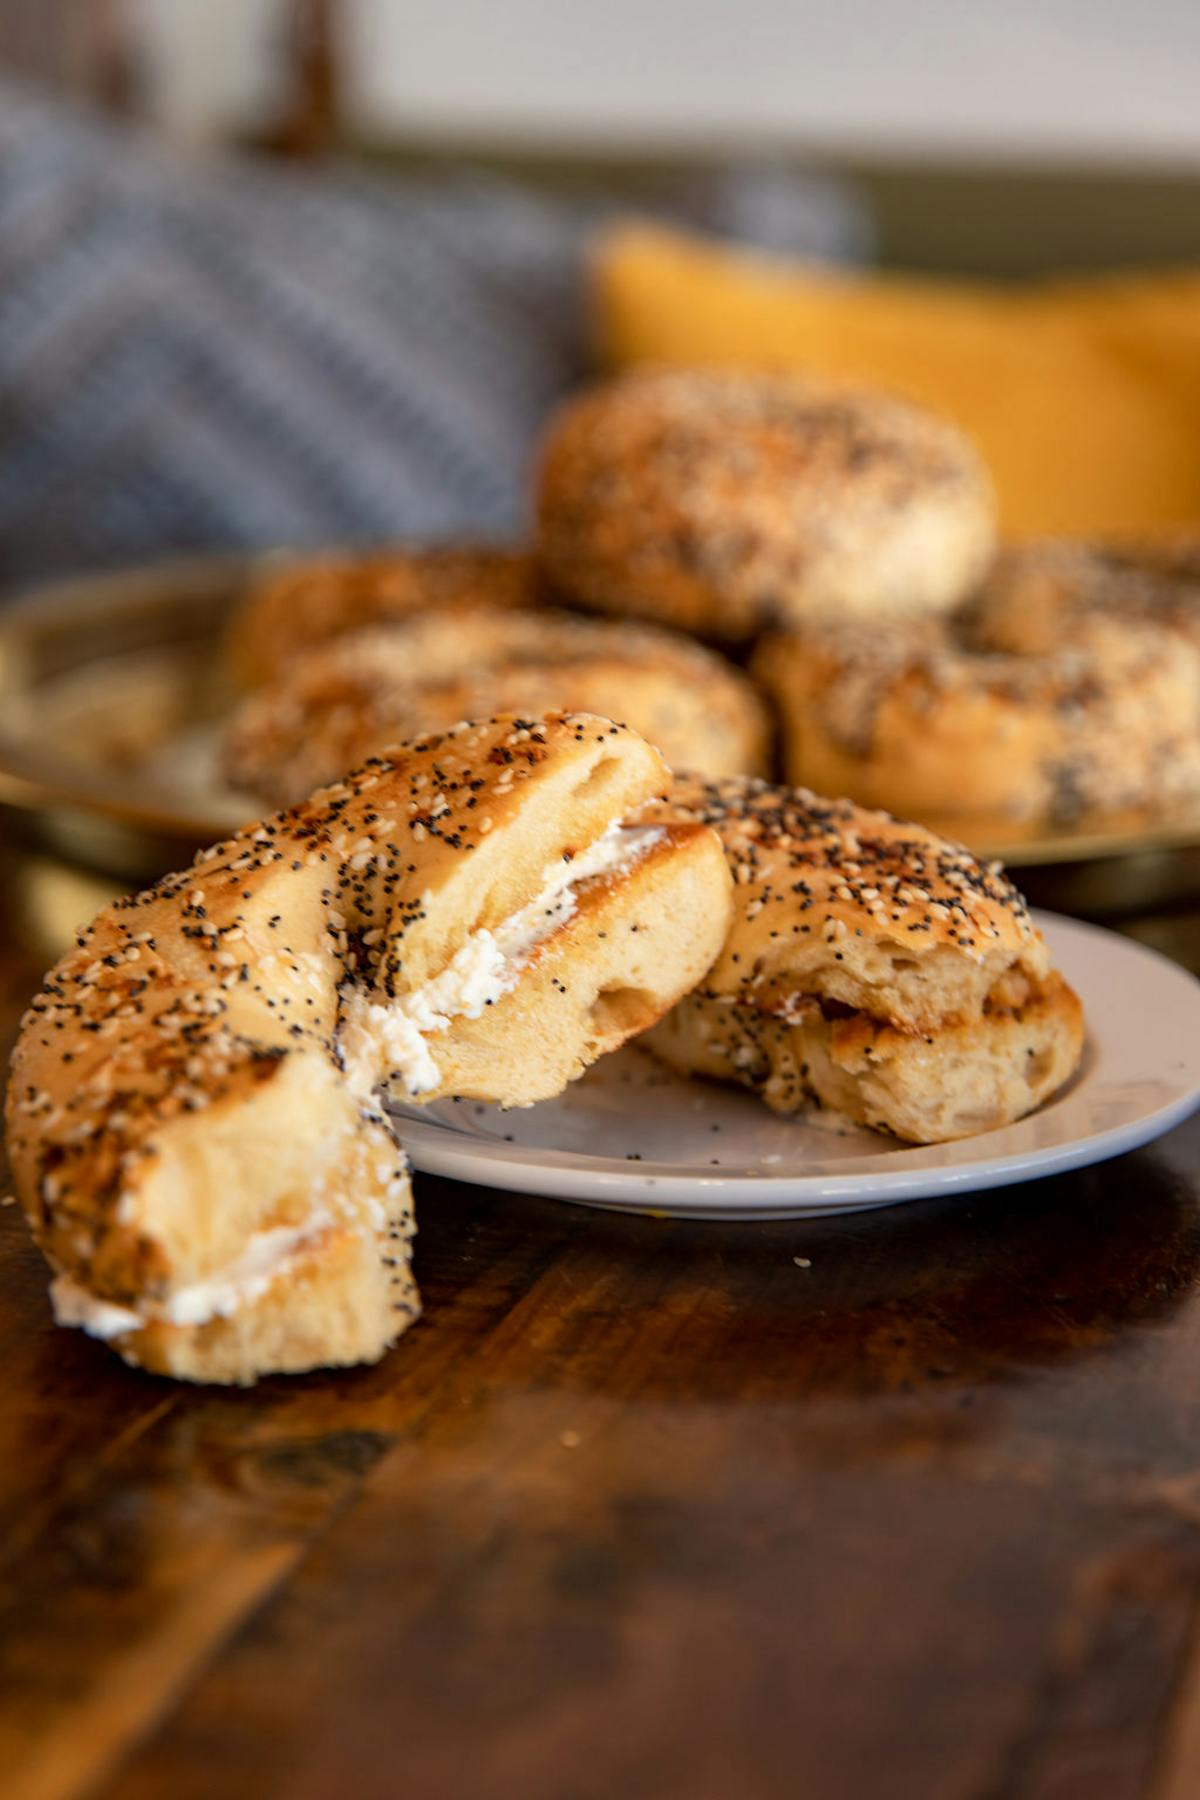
(1072, 75)
(989, 136)
(357, 331)
(1070, 78)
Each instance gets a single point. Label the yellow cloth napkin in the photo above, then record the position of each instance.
(1082, 394)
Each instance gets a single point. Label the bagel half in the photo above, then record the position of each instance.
(194, 1117)
(872, 971)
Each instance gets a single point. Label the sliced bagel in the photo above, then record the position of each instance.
(194, 1117)
(872, 970)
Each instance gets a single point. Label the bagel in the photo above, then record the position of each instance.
(725, 503)
(194, 1119)
(872, 970)
(334, 706)
(933, 723)
(301, 601)
(1051, 592)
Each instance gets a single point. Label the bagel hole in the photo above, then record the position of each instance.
(622, 1009)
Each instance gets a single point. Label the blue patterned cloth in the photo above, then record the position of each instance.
(223, 352)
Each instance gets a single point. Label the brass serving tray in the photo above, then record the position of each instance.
(112, 689)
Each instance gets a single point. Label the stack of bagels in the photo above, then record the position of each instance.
(839, 546)
(527, 815)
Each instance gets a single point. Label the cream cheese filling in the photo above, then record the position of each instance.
(378, 1039)
(266, 1257)
(388, 1039)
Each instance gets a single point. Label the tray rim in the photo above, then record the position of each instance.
(36, 781)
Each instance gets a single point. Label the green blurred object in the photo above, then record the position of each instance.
(999, 217)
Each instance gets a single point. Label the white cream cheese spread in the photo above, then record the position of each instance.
(383, 1039)
(239, 1283)
(378, 1039)
(73, 1305)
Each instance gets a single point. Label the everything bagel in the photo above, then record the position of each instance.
(724, 503)
(194, 1118)
(333, 706)
(937, 722)
(872, 971)
(1048, 593)
(307, 600)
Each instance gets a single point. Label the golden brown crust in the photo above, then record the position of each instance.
(725, 502)
(971, 1076)
(935, 721)
(871, 967)
(856, 906)
(333, 706)
(1050, 593)
(299, 602)
(187, 1132)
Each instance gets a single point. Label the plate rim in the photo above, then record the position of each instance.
(436, 1148)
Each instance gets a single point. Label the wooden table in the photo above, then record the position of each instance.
(640, 1509)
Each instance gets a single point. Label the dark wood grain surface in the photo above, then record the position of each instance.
(640, 1508)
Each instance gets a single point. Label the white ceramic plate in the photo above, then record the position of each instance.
(634, 1137)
